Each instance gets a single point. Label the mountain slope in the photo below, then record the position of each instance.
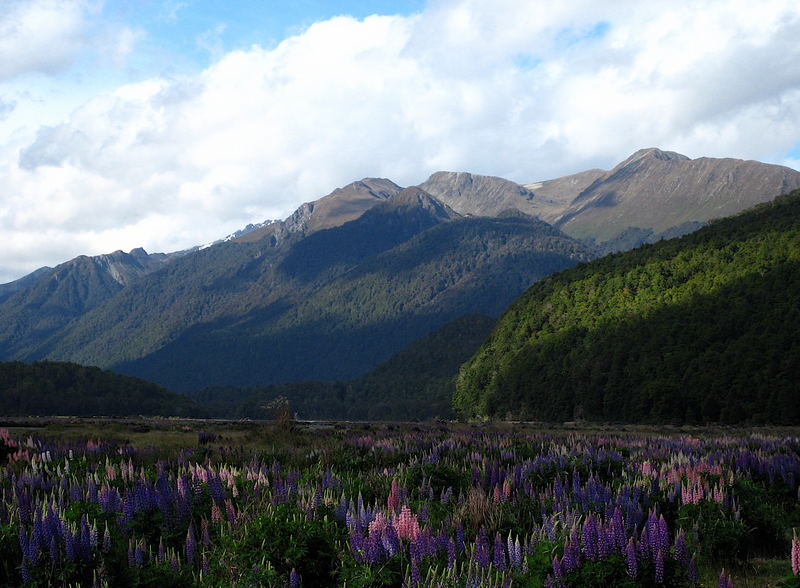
(50, 298)
(10, 288)
(702, 328)
(658, 190)
(354, 321)
(233, 284)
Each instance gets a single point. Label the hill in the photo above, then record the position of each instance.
(698, 329)
(417, 383)
(56, 388)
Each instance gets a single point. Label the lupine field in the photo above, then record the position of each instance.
(390, 505)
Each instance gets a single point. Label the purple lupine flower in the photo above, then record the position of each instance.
(52, 524)
(106, 540)
(618, 526)
(85, 540)
(190, 545)
(294, 579)
(572, 554)
(548, 582)
(499, 559)
(69, 545)
(663, 534)
(356, 545)
(459, 537)
(691, 570)
(390, 541)
(724, 580)
(372, 549)
(451, 554)
(318, 497)
(590, 537)
(54, 555)
(37, 533)
(23, 541)
(630, 558)
(659, 561)
(557, 569)
(26, 575)
(204, 567)
(681, 553)
(139, 555)
(482, 549)
(416, 576)
(643, 545)
(607, 540)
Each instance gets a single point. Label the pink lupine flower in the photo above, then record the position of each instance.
(394, 497)
(406, 524)
(216, 515)
(795, 555)
(496, 496)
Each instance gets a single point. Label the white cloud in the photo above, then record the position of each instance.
(42, 36)
(526, 90)
(6, 107)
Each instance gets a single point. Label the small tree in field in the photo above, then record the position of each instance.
(280, 409)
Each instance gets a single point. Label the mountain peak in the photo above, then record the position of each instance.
(653, 153)
(417, 198)
(477, 195)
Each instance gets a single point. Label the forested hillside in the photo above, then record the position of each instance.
(415, 384)
(705, 328)
(57, 388)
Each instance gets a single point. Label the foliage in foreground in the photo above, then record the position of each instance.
(387, 507)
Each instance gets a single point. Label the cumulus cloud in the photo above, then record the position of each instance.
(512, 88)
(40, 35)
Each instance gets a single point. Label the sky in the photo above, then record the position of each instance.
(165, 124)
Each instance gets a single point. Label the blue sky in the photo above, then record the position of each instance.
(170, 123)
(181, 28)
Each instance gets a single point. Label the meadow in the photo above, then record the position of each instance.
(167, 502)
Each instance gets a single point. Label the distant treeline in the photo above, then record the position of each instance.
(705, 328)
(59, 388)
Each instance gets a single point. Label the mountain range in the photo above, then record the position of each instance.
(349, 280)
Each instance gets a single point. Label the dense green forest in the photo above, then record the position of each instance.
(415, 384)
(705, 328)
(58, 388)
